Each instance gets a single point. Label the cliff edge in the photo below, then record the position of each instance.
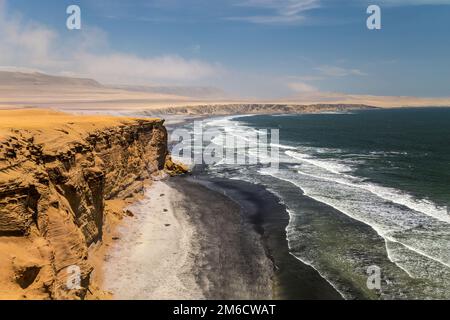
(57, 173)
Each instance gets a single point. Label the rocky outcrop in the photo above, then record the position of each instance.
(52, 198)
(174, 168)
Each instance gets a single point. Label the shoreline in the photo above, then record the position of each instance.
(293, 279)
(171, 242)
(172, 248)
(253, 198)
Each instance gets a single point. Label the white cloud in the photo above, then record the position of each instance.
(300, 84)
(302, 87)
(33, 46)
(23, 41)
(332, 71)
(116, 67)
(279, 11)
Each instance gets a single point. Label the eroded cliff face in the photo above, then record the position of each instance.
(53, 186)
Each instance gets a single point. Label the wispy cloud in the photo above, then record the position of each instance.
(413, 2)
(295, 11)
(333, 71)
(301, 84)
(302, 87)
(277, 11)
(115, 67)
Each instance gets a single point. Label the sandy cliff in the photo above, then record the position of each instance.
(57, 173)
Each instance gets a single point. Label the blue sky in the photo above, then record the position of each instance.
(257, 48)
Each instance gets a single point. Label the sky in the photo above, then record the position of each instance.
(248, 48)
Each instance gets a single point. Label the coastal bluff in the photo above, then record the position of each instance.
(57, 174)
(255, 108)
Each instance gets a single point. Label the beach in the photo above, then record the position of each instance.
(151, 258)
(185, 241)
(196, 237)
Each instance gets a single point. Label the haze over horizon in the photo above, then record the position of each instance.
(249, 48)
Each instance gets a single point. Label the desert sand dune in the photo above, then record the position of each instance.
(19, 90)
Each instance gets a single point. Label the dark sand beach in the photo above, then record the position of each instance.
(209, 239)
(186, 241)
(231, 261)
(262, 210)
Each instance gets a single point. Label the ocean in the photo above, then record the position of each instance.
(379, 185)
